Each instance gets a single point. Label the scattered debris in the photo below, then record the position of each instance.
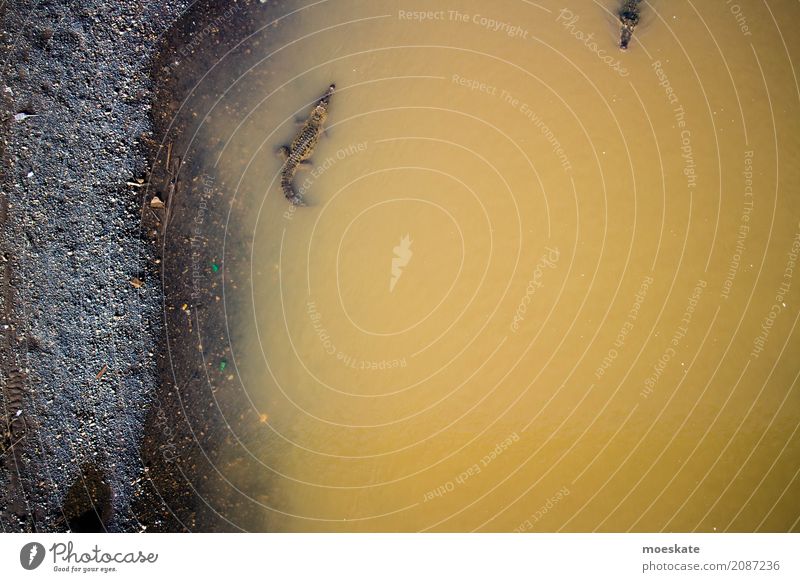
(22, 116)
(156, 202)
(136, 282)
(214, 267)
(223, 364)
(101, 372)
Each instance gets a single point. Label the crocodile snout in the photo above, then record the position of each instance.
(625, 37)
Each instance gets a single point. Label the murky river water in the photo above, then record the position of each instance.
(541, 284)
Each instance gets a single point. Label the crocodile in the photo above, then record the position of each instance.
(298, 153)
(629, 17)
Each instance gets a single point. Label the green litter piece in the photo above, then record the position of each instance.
(222, 365)
(214, 267)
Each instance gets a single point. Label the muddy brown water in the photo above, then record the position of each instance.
(541, 284)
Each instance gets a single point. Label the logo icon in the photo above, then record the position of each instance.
(402, 255)
(31, 555)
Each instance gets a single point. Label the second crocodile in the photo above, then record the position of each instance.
(629, 17)
(301, 148)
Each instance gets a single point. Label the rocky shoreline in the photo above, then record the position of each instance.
(84, 408)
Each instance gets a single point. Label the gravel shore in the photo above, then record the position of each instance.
(80, 310)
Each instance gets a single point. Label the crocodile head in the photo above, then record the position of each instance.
(320, 113)
(625, 35)
(629, 20)
(326, 98)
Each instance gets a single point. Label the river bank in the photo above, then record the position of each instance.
(87, 97)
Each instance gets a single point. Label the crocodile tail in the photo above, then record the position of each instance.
(289, 192)
(294, 198)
